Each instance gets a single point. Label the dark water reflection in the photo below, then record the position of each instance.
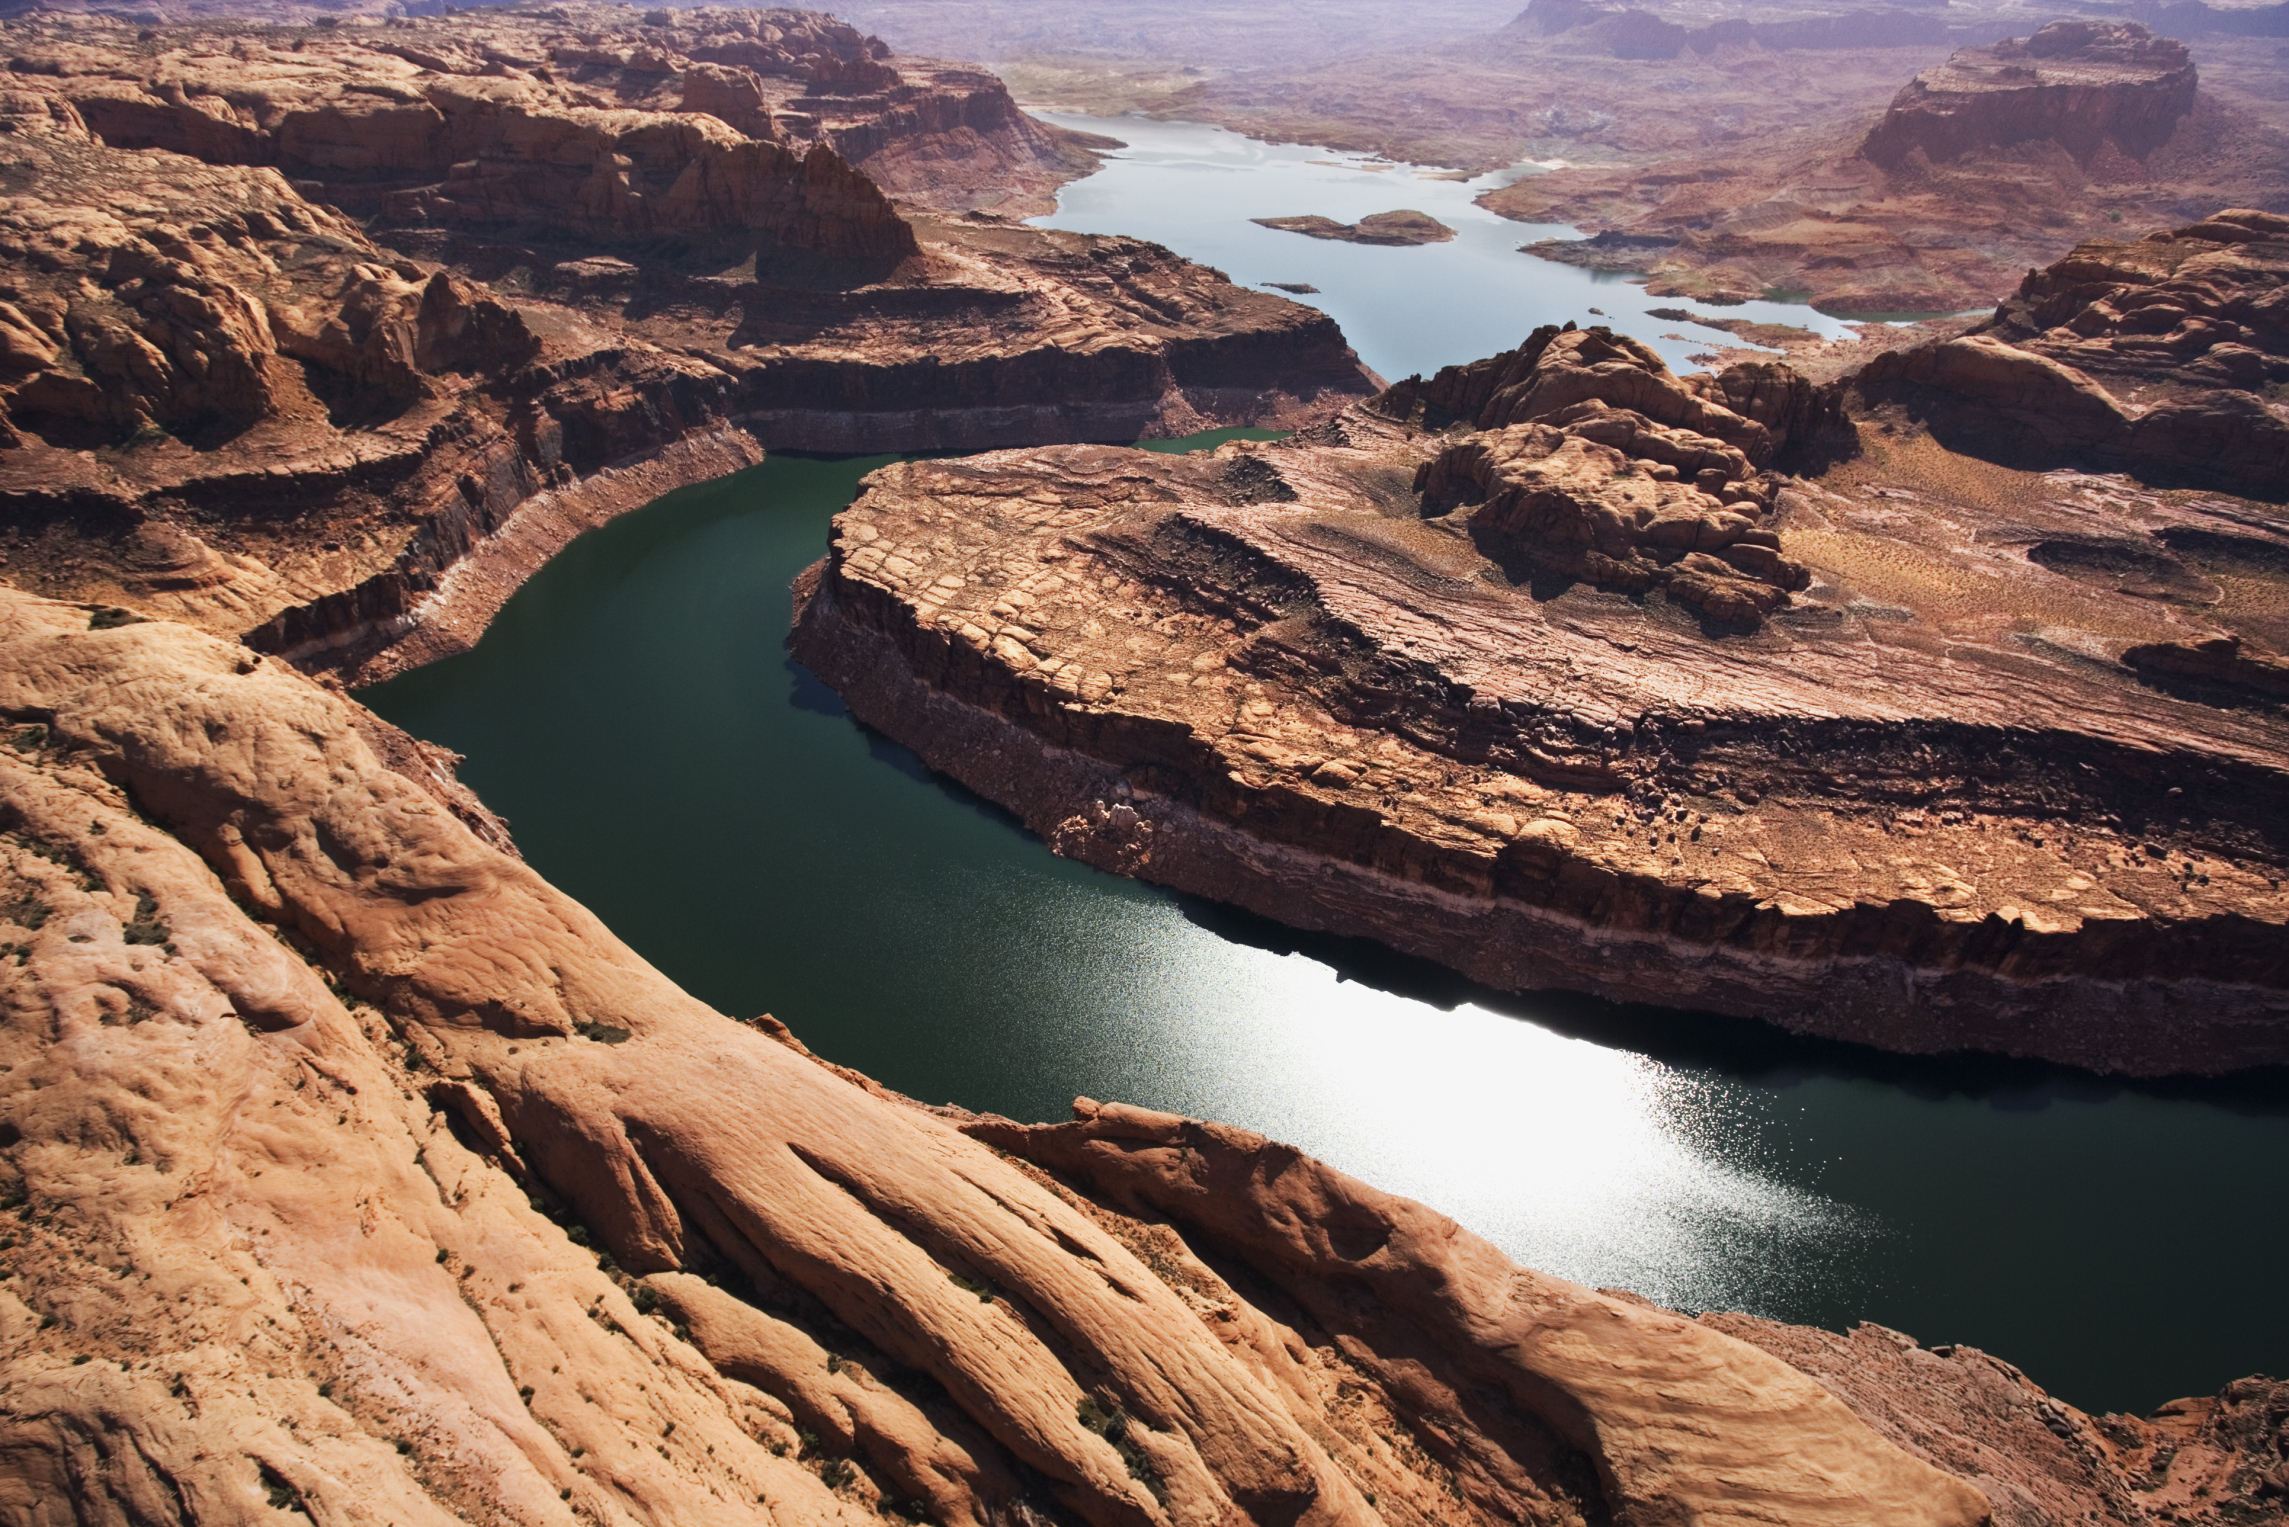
(634, 715)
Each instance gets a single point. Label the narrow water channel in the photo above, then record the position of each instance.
(633, 713)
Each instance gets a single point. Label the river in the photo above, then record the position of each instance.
(633, 713)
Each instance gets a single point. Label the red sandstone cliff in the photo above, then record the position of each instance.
(1540, 669)
(2089, 88)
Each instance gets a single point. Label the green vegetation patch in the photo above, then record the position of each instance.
(1115, 1427)
(148, 927)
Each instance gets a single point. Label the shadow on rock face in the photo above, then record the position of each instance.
(1742, 1048)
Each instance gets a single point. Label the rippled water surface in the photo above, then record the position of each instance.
(633, 713)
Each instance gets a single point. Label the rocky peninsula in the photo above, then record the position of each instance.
(329, 335)
(1728, 692)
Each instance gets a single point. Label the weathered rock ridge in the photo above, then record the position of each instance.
(1979, 169)
(299, 320)
(2163, 357)
(351, 1170)
(319, 1111)
(1538, 670)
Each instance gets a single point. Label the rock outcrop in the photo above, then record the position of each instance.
(1996, 160)
(2160, 357)
(348, 1169)
(1591, 461)
(1538, 670)
(322, 311)
(1405, 226)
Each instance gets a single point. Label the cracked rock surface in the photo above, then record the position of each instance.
(333, 334)
(1475, 688)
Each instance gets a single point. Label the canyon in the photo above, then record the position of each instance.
(1733, 691)
(1717, 147)
(352, 1171)
(301, 321)
(1864, 704)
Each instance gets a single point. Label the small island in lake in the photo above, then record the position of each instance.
(1405, 226)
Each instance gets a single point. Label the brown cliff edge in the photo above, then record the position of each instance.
(351, 1170)
(1544, 669)
(328, 335)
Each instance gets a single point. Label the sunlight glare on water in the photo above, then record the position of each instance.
(1595, 1163)
(633, 713)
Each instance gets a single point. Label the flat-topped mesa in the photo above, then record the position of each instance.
(2088, 86)
(1539, 669)
(1986, 166)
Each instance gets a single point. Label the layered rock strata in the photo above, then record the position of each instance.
(591, 116)
(2090, 88)
(2162, 357)
(1479, 671)
(297, 321)
(1994, 161)
(347, 1169)
(353, 1170)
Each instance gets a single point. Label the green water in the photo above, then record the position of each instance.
(634, 715)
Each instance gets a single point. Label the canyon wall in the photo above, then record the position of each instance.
(2086, 87)
(300, 320)
(347, 1169)
(1539, 669)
